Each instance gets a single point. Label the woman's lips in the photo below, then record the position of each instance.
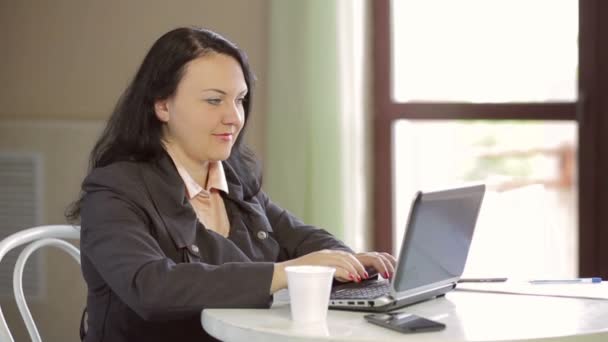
(224, 136)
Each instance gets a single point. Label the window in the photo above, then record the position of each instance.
(489, 91)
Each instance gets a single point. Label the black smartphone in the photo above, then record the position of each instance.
(404, 322)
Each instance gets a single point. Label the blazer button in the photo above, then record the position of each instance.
(194, 248)
(262, 235)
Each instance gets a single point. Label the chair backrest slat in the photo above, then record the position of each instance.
(36, 237)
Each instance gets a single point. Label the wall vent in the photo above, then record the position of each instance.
(20, 208)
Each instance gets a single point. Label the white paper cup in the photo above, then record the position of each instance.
(309, 290)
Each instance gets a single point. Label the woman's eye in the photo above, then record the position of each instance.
(214, 102)
(240, 100)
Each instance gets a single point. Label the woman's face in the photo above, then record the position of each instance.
(205, 115)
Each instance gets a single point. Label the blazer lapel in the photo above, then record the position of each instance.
(250, 229)
(251, 211)
(168, 194)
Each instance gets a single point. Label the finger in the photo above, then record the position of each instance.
(367, 269)
(350, 263)
(391, 258)
(342, 261)
(357, 265)
(343, 275)
(369, 262)
(336, 259)
(379, 265)
(389, 265)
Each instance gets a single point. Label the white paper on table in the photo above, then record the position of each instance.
(576, 290)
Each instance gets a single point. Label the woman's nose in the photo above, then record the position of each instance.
(233, 115)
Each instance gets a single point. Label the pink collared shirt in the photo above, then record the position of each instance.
(207, 201)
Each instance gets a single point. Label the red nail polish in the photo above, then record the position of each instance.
(386, 275)
(366, 275)
(350, 276)
(358, 279)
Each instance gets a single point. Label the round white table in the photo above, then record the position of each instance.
(469, 316)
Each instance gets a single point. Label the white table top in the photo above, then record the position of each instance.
(469, 316)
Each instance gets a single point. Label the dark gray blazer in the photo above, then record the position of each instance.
(151, 267)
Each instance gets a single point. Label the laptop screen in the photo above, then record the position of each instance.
(438, 237)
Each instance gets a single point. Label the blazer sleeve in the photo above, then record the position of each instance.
(295, 237)
(117, 242)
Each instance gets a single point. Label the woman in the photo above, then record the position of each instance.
(172, 216)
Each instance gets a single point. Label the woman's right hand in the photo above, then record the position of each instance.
(348, 268)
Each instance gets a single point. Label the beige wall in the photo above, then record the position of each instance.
(72, 59)
(63, 146)
(63, 65)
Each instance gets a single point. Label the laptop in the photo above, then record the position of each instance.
(433, 254)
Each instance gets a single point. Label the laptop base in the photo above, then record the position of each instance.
(387, 303)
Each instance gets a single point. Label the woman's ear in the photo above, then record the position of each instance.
(161, 108)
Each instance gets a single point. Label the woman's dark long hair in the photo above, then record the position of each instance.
(133, 132)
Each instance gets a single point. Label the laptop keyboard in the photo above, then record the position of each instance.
(370, 291)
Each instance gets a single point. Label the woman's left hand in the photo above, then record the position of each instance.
(384, 263)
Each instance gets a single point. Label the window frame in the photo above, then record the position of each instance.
(587, 111)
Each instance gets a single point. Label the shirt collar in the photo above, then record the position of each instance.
(216, 178)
